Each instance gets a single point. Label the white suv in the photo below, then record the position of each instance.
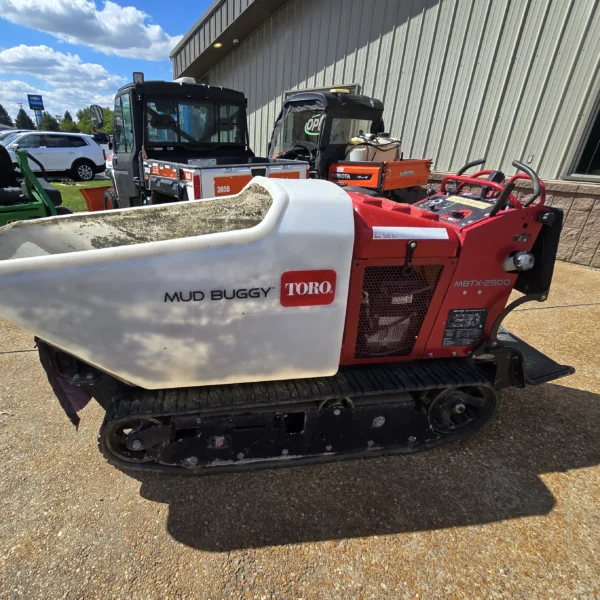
(73, 154)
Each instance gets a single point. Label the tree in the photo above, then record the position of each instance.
(67, 124)
(23, 120)
(85, 125)
(49, 123)
(108, 113)
(5, 117)
(83, 120)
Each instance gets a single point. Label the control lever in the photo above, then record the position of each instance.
(497, 176)
(408, 269)
(502, 199)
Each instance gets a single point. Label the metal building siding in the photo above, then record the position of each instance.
(222, 16)
(460, 79)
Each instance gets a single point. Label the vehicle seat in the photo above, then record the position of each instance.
(7, 170)
(162, 121)
(53, 193)
(10, 196)
(10, 192)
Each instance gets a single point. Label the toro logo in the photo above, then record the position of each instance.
(307, 288)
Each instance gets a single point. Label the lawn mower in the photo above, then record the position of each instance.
(34, 198)
(289, 324)
(342, 137)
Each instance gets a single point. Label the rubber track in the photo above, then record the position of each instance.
(349, 381)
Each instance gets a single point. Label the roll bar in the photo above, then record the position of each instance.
(505, 191)
(478, 182)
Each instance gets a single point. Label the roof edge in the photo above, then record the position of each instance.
(225, 22)
(190, 32)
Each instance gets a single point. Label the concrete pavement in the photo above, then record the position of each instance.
(512, 512)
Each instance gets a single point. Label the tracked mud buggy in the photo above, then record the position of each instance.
(292, 323)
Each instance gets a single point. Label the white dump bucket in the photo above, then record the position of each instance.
(191, 293)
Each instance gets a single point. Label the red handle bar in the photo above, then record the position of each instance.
(480, 173)
(480, 183)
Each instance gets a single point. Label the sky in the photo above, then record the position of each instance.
(79, 52)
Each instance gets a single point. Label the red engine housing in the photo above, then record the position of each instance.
(442, 301)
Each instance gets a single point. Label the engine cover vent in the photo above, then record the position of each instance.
(393, 308)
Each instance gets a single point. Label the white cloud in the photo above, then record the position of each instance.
(114, 29)
(56, 101)
(57, 68)
(68, 83)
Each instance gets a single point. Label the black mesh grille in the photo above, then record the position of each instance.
(393, 308)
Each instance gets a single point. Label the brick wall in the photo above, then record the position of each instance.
(580, 238)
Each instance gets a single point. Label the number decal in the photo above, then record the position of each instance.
(223, 189)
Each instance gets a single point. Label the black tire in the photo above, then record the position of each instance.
(83, 170)
(63, 210)
(111, 200)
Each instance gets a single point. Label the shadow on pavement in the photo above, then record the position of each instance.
(489, 477)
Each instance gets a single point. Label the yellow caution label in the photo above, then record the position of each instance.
(469, 202)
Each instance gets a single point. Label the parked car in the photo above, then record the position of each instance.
(9, 133)
(73, 154)
(109, 166)
(104, 140)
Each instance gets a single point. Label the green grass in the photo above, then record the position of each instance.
(71, 196)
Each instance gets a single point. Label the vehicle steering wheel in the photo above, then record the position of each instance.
(294, 154)
(304, 146)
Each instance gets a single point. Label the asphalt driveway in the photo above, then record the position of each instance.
(512, 512)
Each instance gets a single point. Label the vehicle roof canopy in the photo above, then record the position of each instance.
(336, 104)
(197, 91)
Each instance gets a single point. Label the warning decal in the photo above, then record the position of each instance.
(464, 326)
(469, 202)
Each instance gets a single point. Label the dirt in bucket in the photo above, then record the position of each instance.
(111, 229)
(169, 222)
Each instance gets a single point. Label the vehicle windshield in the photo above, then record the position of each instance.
(173, 120)
(301, 130)
(9, 138)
